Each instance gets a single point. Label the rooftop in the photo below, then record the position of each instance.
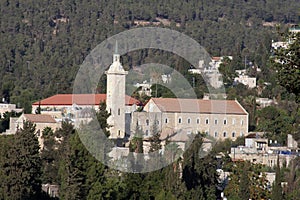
(40, 118)
(79, 99)
(199, 105)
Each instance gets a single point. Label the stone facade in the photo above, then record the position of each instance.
(115, 101)
(217, 125)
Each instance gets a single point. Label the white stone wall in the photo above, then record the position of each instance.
(212, 124)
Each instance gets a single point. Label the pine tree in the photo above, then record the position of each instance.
(277, 193)
(199, 174)
(23, 166)
(244, 192)
(155, 142)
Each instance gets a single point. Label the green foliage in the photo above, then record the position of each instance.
(199, 174)
(136, 143)
(22, 166)
(247, 181)
(275, 122)
(102, 115)
(155, 142)
(277, 192)
(286, 62)
(5, 119)
(42, 48)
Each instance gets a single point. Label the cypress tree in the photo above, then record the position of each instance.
(277, 189)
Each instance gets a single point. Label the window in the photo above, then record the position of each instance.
(225, 121)
(233, 121)
(216, 134)
(206, 133)
(147, 132)
(38, 133)
(216, 121)
(147, 122)
(157, 122)
(198, 121)
(119, 133)
(179, 120)
(233, 134)
(110, 110)
(242, 122)
(166, 120)
(119, 111)
(224, 134)
(206, 121)
(189, 121)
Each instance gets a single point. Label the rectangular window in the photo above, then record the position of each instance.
(216, 121)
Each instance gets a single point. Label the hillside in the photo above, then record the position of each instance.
(43, 43)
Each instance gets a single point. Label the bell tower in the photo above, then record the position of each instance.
(115, 97)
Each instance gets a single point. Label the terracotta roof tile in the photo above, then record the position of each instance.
(200, 106)
(41, 118)
(79, 99)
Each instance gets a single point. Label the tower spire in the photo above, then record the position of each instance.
(116, 47)
(116, 56)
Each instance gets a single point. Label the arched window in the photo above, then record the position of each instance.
(225, 121)
(206, 121)
(216, 134)
(119, 111)
(233, 134)
(224, 134)
(198, 121)
(189, 120)
(179, 120)
(147, 122)
(166, 120)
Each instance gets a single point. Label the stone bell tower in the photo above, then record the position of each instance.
(115, 97)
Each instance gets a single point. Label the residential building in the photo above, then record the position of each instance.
(258, 151)
(246, 80)
(41, 121)
(6, 107)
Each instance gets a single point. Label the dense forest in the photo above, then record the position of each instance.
(43, 43)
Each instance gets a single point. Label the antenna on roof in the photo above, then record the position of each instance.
(116, 47)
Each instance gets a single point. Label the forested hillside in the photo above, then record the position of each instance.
(43, 43)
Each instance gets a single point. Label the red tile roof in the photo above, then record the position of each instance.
(79, 99)
(200, 106)
(216, 58)
(41, 118)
